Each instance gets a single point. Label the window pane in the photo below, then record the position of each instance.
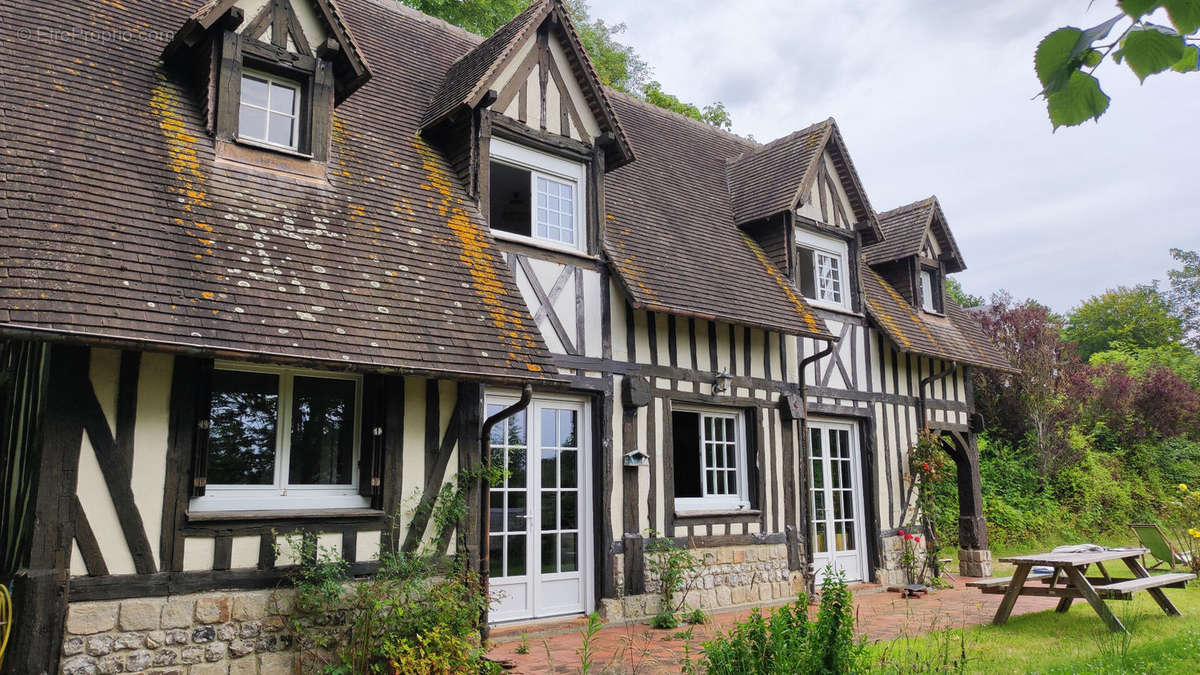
(549, 553)
(549, 468)
(516, 555)
(556, 221)
(254, 91)
(927, 291)
(806, 271)
(516, 512)
(509, 199)
(566, 428)
(570, 511)
(570, 556)
(516, 468)
(496, 556)
(568, 461)
(241, 447)
(549, 429)
(549, 511)
(323, 415)
(280, 132)
(283, 99)
(252, 123)
(516, 429)
(685, 432)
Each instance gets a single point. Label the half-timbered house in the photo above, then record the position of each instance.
(273, 266)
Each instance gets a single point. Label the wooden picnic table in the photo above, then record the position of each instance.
(1096, 589)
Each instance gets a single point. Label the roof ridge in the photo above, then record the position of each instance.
(671, 113)
(762, 147)
(931, 199)
(400, 8)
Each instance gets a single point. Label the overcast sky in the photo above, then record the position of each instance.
(935, 98)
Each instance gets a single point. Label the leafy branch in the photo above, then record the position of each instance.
(1074, 96)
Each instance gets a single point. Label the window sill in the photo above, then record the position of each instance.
(269, 158)
(829, 307)
(531, 242)
(322, 514)
(715, 513)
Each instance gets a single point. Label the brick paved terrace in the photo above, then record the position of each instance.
(635, 647)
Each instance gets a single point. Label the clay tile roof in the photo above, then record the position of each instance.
(904, 231)
(119, 225)
(768, 179)
(955, 337)
(464, 82)
(677, 249)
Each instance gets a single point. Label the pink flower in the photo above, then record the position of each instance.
(917, 539)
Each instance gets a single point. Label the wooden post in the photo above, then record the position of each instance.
(40, 591)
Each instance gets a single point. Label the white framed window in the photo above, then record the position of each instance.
(821, 269)
(931, 291)
(269, 110)
(282, 438)
(536, 197)
(709, 453)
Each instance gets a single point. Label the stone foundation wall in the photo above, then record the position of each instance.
(226, 633)
(730, 576)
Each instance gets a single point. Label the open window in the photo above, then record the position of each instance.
(536, 197)
(281, 439)
(709, 460)
(931, 290)
(822, 269)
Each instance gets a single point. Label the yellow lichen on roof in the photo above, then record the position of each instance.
(886, 318)
(181, 154)
(783, 284)
(474, 255)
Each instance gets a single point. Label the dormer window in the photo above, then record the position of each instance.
(931, 290)
(270, 110)
(535, 197)
(821, 269)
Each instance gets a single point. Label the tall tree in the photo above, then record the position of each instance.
(1185, 294)
(481, 17)
(1028, 404)
(1138, 318)
(955, 292)
(1066, 60)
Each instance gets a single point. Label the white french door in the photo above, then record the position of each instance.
(539, 547)
(836, 501)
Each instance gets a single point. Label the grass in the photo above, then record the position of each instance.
(1046, 642)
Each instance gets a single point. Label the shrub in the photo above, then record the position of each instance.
(675, 568)
(786, 642)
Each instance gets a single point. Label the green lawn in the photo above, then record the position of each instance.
(1047, 642)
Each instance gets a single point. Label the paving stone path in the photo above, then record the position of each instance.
(637, 648)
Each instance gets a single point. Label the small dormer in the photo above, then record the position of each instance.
(270, 73)
(531, 123)
(916, 254)
(801, 199)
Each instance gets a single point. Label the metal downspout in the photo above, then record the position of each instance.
(805, 465)
(485, 511)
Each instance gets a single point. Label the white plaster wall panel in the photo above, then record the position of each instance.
(616, 503)
(285, 553)
(662, 338)
(509, 72)
(739, 351)
(553, 114)
(533, 103)
(811, 208)
(243, 552)
(314, 29)
(541, 269)
(644, 473)
(413, 475)
(150, 438)
(251, 8)
(641, 337)
(683, 341)
(104, 373)
(590, 125)
(659, 450)
(593, 326)
(198, 554)
(687, 387)
(753, 528)
(723, 348)
(366, 545)
(101, 514)
(78, 569)
(329, 545)
(617, 306)
(681, 531)
(757, 349)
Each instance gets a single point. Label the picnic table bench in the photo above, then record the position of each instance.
(1073, 566)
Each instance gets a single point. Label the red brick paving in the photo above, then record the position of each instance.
(637, 648)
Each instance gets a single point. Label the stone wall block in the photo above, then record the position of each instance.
(89, 618)
(213, 609)
(141, 614)
(178, 612)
